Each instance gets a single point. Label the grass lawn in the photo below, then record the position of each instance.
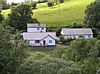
(61, 14)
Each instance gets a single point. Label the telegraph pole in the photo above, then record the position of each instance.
(59, 9)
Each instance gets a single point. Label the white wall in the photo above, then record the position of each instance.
(47, 39)
(32, 42)
(62, 32)
(88, 36)
(78, 36)
(36, 30)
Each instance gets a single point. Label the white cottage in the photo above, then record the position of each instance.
(35, 27)
(36, 35)
(40, 39)
(76, 33)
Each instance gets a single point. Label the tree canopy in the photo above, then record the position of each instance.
(20, 16)
(12, 50)
(93, 14)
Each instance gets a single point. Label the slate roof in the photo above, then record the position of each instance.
(35, 25)
(38, 36)
(76, 31)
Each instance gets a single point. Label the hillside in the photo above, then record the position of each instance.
(61, 14)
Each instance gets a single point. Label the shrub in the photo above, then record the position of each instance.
(48, 66)
(1, 17)
(76, 25)
(42, 1)
(58, 33)
(34, 4)
(61, 1)
(50, 4)
(65, 41)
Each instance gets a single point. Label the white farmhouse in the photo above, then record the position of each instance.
(35, 27)
(36, 35)
(40, 39)
(76, 33)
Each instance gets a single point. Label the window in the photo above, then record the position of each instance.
(42, 28)
(89, 36)
(37, 41)
(50, 41)
(37, 28)
(81, 36)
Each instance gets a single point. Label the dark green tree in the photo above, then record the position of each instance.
(92, 18)
(93, 14)
(58, 33)
(1, 4)
(1, 17)
(20, 16)
(61, 1)
(50, 4)
(12, 51)
(34, 4)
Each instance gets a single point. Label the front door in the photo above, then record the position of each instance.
(44, 42)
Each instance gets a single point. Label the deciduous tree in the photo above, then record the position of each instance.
(20, 16)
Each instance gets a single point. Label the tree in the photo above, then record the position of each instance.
(93, 14)
(58, 33)
(81, 49)
(76, 25)
(61, 1)
(1, 4)
(1, 17)
(20, 16)
(12, 51)
(34, 4)
(92, 18)
(50, 4)
(48, 66)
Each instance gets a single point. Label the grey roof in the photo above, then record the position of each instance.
(38, 36)
(77, 31)
(33, 25)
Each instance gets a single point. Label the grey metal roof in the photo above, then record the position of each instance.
(33, 25)
(38, 36)
(77, 31)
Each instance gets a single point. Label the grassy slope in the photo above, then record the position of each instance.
(70, 11)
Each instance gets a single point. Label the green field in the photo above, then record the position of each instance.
(61, 14)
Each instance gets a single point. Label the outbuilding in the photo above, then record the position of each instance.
(75, 33)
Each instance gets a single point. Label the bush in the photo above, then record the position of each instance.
(58, 33)
(48, 66)
(1, 17)
(50, 4)
(76, 25)
(65, 41)
(14, 4)
(42, 1)
(61, 1)
(35, 20)
(34, 4)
